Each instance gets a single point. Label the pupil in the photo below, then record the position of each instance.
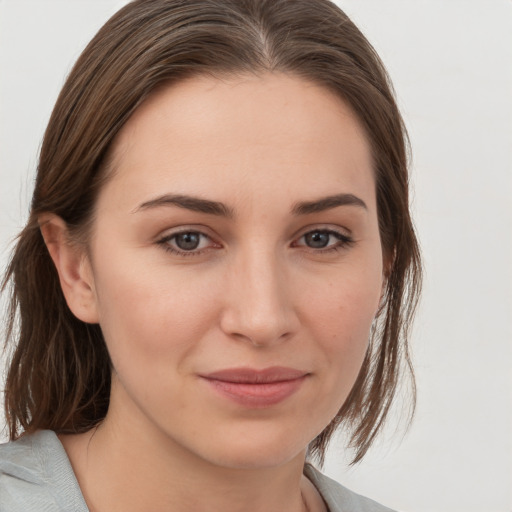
(187, 241)
(317, 239)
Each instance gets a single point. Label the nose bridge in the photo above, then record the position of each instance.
(258, 306)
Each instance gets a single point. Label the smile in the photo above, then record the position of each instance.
(256, 388)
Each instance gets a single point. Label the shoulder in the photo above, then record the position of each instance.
(35, 474)
(339, 498)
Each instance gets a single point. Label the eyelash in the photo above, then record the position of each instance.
(164, 242)
(344, 241)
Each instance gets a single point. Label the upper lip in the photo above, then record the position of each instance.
(246, 375)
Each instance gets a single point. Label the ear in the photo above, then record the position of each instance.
(382, 299)
(386, 272)
(73, 267)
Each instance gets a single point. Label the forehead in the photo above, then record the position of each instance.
(260, 132)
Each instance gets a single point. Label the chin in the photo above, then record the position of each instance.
(258, 451)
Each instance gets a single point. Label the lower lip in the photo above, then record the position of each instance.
(257, 395)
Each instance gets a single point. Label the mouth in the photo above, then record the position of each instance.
(256, 388)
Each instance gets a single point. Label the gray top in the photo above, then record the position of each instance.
(36, 476)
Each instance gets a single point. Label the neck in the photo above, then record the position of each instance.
(165, 476)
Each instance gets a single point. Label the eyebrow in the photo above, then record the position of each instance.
(209, 207)
(195, 204)
(327, 203)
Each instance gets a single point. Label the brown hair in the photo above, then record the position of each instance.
(59, 373)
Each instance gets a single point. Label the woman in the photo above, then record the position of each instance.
(219, 269)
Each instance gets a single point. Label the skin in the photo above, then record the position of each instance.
(255, 293)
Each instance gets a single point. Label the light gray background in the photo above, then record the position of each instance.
(451, 63)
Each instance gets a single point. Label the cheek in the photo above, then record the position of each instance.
(152, 315)
(340, 318)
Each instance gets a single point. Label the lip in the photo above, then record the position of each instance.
(256, 388)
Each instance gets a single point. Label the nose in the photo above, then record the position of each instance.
(258, 305)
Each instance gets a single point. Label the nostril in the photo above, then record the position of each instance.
(258, 331)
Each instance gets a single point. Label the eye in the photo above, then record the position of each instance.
(186, 242)
(324, 240)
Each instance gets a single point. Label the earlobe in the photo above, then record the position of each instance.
(73, 268)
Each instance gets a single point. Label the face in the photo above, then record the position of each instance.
(236, 266)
